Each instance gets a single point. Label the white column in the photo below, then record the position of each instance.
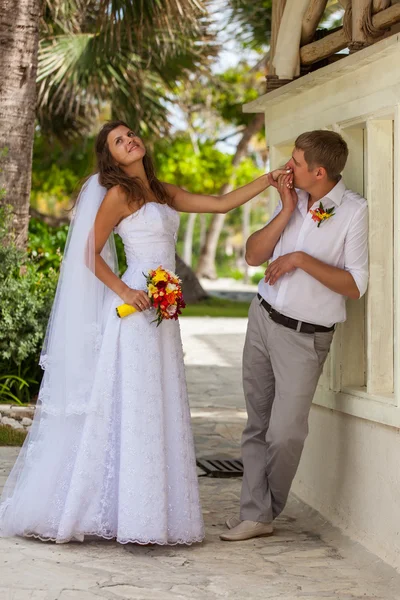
(379, 193)
(347, 357)
(396, 244)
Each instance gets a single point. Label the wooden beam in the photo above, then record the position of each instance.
(337, 41)
(323, 48)
(387, 18)
(311, 20)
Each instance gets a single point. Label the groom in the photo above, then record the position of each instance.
(316, 243)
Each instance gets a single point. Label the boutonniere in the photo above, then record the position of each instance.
(322, 214)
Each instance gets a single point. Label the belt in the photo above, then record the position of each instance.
(292, 323)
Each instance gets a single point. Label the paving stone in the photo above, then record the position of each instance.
(306, 559)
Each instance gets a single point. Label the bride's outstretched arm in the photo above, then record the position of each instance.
(198, 203)
(111, 211)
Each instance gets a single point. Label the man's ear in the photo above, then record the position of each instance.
(320, 172)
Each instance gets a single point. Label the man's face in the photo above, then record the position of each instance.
(303, 178)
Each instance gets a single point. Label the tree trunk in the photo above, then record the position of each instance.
(19, 38)
(203, 230)
(246, 210)
(188, 239)
(311, 20)
(191, 286)
(206, 266)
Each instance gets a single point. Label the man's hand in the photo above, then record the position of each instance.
(282, 265)
(287, 193)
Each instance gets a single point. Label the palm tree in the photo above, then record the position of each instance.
(19, 36)
(123, 53)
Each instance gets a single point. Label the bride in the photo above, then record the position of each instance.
(110, 452)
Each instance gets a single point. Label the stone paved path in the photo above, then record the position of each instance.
(307, 559)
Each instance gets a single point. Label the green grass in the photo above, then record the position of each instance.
(11, 437)
(216, 307)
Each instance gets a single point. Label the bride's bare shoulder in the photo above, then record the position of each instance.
(114, 205)
(117, 194)
(116, 198)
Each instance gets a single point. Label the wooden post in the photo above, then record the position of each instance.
(311, 20)
(361, 10)
(378, 5)
(278, 6)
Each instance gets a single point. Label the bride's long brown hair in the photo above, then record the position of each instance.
(111, 175)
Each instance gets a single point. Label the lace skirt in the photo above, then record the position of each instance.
(125, 468)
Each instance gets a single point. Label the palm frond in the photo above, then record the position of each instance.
(123, 52)
(252, 21)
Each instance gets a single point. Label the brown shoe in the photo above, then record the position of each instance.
(233, 522)
(247, 530)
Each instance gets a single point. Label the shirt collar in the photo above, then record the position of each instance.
(336, 194)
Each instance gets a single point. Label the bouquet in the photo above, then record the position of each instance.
(165, 293)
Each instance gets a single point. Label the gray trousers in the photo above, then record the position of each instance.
(281, 368)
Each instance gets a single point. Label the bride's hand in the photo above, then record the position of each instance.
(273, 176)
(137, 298)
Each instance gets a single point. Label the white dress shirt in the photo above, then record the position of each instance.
(340, 241)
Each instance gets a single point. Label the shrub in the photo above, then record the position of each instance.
(26, 296)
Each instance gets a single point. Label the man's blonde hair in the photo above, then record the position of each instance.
(324, 149)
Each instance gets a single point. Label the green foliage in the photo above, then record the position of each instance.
(58, 171)
(46, 245)
(217, 307)
(252, 21)
(256, 277)
(233, 88)
(213, 102)
(201, 173)
(26, 296)
(8, 383)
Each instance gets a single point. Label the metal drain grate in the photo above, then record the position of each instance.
(221, 467)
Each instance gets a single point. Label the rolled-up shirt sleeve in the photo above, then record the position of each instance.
(276, 212)
(356, 249)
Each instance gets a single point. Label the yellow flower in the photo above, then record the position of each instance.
(152, 289)
(160, 276)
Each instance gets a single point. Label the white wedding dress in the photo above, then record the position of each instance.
(124, 469)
